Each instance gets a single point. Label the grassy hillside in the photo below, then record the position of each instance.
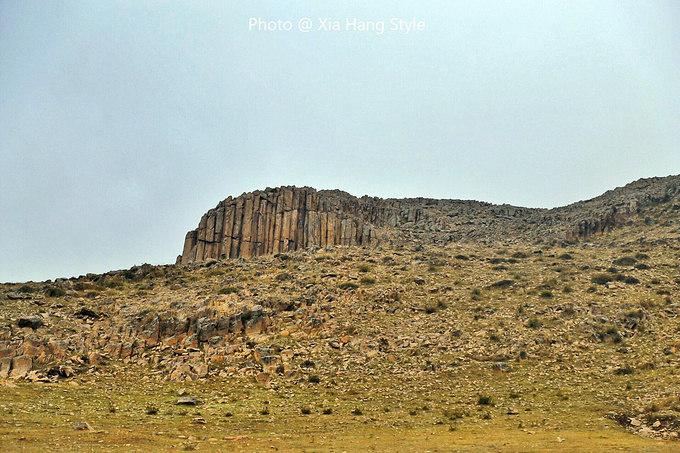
(346, 349)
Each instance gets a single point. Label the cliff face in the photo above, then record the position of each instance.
(277, 220)
(289, 218)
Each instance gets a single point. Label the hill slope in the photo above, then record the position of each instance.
(389, 347)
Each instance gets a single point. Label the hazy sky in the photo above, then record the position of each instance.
(121, 123)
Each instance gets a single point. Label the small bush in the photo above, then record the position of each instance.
(565, 256)
(534, 322)
(462, 257)
(151, 409)
(314, 379)
(364, 267)
(26, 289)
(284, 276)
(306, 411)
(602, 279)
(357, 411)
(631, 280)
(454, 414)
(308, 364)
(55, 291)
(327, 411)
(642, 267)
(228, 290)
(348, 286)
(625, 261)
(502, 284)
(626, 370)
(367, 280)
(546, 294)
(485, 400)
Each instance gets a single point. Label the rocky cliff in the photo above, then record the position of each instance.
(289, 218)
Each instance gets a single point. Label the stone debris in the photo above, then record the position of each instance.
(82, 426)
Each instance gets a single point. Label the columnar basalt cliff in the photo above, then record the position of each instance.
(277, 220)
(286, 219)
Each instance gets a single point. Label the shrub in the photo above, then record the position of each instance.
(602, 279)
(284, 276)
(454, 414)
(55, 291)
(502, 284)
(429, 309)
(631, 280)
(364, 267)
(26, 289)
(348, 286)
(228, 290)
(306, 411)
(485, 400)
(151, 409)
(367, 280)
(314, 379)
(565, 256)
(625, 261)
(610, 331)
(520, 255)
(327, 411)
(546, 294)
(642, 267)
(356, 411)
(534, 322)
(624, 371)
(462, 257)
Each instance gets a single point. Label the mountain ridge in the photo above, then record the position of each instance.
(290, 218)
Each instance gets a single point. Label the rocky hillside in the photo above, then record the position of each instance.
(425, 322)
(286, 219)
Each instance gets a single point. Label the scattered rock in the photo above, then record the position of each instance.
(34, 322)
(82, 426)
(85, 312)
(21, 365)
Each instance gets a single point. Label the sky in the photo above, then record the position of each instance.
(122, 122)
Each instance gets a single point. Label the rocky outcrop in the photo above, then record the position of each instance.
(286, 219)
(277, 220)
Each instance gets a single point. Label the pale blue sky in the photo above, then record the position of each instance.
(121, 123)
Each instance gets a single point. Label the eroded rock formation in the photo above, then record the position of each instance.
(277, 220)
